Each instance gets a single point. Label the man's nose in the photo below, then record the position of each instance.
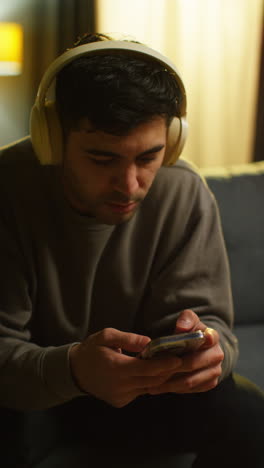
(127, 180)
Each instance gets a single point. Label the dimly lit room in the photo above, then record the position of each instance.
(131, 233)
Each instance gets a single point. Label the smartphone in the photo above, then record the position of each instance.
(173, 345)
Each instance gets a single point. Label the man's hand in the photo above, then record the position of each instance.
(200, 370)
(101, 369)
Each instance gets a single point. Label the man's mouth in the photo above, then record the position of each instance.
(122, 207)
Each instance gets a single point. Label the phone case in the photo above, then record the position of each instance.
(174, 344)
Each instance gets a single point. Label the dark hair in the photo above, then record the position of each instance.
(116, 91)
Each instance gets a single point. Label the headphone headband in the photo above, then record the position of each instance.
(103, 46)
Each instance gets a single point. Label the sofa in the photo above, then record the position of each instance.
(239, 192)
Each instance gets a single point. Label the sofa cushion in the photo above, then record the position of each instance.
(239, 192)
(251, 342)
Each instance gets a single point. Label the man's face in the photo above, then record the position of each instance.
(108, 176)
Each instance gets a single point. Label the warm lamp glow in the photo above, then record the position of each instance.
(11, 40)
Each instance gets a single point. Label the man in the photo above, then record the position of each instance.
(103, 250)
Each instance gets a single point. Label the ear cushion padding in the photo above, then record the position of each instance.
(55, 133)
(46, 133)
(39, 132)
(177, 134)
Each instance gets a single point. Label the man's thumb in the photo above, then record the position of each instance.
(185, 321)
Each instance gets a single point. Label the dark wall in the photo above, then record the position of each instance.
(50, 26)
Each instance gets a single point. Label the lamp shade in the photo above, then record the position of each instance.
(11, 48)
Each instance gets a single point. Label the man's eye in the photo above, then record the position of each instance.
(147, 160)
(102, 161)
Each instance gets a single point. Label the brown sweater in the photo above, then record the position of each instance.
(64, 276)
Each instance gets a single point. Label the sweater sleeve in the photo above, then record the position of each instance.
(193, 272)
(31, 376)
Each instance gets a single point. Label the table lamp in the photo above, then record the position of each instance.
(11, 48)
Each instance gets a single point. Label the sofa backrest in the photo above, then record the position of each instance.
(239, 192)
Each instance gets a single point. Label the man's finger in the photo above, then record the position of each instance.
(114, 338)
(194, 382)
(154, 367)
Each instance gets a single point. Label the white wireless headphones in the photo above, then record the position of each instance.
(45, 128)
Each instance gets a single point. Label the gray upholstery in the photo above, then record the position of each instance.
(251, 359)
(239, 192)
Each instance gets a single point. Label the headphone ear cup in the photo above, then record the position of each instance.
(46, 133)
(54, 132)
(177, 134)
(183, 135)
(39, 133)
